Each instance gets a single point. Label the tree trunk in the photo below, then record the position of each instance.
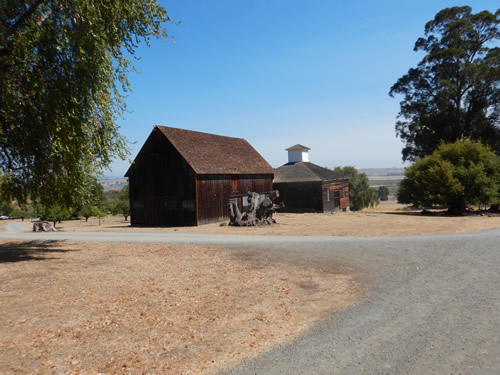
(43, 226)
(457, 207)
(260, 210)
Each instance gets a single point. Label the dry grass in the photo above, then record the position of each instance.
(127, 308)
(388, 219)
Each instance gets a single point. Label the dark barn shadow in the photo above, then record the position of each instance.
(12, 252)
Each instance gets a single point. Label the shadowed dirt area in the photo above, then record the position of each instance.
(86, 308)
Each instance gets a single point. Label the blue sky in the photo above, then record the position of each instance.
(278, 73)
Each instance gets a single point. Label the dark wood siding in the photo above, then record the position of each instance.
(214, 192)
(166, 191)
(344, 198)
(300, 196)
(162, 186)
(331, 197)
(335, 195)
(324, 196)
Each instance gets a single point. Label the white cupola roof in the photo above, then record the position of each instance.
(298, 153)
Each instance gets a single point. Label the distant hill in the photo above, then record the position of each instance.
(113, 183)
(383, 171)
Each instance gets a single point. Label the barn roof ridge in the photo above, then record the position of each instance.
(304, 172)
(210, 153)
(195, 131)
(297, 147)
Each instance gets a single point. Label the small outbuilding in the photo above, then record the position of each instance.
(182, 177)
(307, 187)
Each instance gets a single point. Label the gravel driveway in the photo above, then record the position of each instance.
(432, 303)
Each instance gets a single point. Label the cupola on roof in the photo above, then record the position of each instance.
(298, 153)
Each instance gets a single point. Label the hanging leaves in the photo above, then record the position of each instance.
(63, 68)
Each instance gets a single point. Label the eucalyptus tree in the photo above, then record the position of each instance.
(63, 74)
(454, 91)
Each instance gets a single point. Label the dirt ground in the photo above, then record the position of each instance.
(388, 219)
(95, 308)
(79, 308)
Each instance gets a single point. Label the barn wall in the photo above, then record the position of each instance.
(214, 192)
(313, 196)
(344, 199)
(162, 186)
(335, 195)
(300, 196)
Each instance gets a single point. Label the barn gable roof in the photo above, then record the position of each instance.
(304, 172)
(215, 154)
(297, 147)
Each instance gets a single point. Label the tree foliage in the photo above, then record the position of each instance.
(121, 205)
(23, 212)
(63, 74)
(455, 175)
(94, 202)
(6, 208)
(383, 193)
(361, 195)
(54, 213)
(454, 91)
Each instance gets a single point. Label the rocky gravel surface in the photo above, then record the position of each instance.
(432, 306)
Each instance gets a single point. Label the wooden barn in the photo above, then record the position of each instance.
(182, 177)
(307, 187)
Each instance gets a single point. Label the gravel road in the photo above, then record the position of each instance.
(431, 303)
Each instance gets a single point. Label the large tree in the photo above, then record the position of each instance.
(454, 91)
(63, 74)
(454, 175)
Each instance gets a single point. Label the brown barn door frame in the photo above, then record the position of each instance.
(234, 183)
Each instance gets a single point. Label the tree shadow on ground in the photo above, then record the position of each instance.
(440, 213)
(416, 213)
(12, 252)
